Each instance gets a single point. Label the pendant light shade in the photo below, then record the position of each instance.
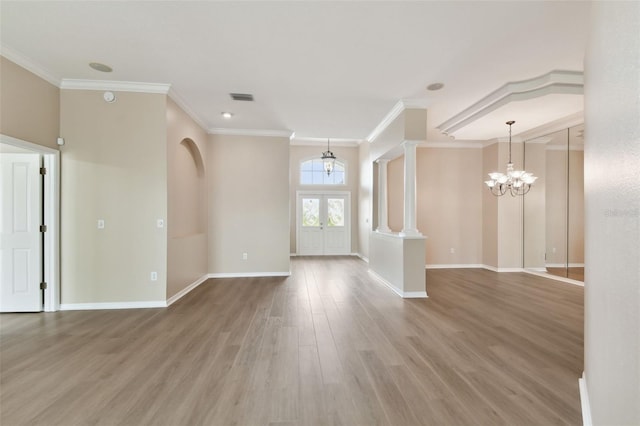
(328, 160)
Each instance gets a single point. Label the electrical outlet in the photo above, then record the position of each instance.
(154, 276)
(100, 223)
(245, 256)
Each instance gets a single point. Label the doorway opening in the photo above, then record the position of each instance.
(323, 223)
(42, 267)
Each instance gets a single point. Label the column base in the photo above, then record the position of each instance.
(410, 233)
(382, 230)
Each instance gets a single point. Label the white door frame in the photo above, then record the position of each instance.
(321, 192)
(51, 158)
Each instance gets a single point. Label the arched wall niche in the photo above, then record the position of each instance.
(189, 191)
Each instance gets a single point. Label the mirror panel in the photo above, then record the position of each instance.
(553, 240)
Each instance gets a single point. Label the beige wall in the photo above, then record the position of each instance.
(249, 204)
(350, 156)
(576, 207)
(556, 205)
(29, 106)
(114, 167)
(510, 211)
(365, 199)
(395, 193)
(450, 204)
(187, 225)
(535, 223)
(449, 209)
(612, 206)
(489, 209)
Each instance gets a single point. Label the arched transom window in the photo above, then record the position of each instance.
(312, 173)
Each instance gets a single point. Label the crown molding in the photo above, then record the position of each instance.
(397, 109)
(297, 141)
(554, 82)
(30, 65)
(118, 86)
(554, 126)
(452, 144)
(250, 132)
(179, 100)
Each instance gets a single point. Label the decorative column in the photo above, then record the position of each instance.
(410, 228)
(383, 215)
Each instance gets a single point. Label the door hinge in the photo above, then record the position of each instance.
(43, 170)
(43, 228)
(43, 285)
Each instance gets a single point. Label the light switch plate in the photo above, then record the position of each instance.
(160, 223)
(100, 223)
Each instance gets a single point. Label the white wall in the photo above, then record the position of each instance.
(612, 207)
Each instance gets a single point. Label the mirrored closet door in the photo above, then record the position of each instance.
(554, 210)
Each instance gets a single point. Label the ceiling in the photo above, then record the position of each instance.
(317, 68)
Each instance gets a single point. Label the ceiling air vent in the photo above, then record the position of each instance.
(241, 97)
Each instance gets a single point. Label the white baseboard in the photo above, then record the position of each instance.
(403, 294)
(112, 305)
(564, 265)
(584, 401)
(554, 277)
(248, 274)
(366, 259)
(186, 290)
(453, 266)
(494, 269)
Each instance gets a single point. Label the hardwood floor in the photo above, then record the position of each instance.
(575, 273)
(328, 345)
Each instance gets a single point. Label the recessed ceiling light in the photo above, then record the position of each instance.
(227, 115)
(435, 86)
(100, 67)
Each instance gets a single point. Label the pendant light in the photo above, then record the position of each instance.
(517, 182)
(328, 160)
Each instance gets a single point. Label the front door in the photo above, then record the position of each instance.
(323, 223)
(21, 243)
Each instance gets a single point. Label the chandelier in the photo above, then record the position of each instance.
(328, 160)
(517, 182)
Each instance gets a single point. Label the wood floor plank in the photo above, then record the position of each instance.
(328, 345)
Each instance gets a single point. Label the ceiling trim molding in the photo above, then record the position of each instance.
(179, 100)
(118, 86)
(452, 144)
(554, 126)
(30, 65)
(250, 132)
(395, 112)
(303, 141)
(557, 81)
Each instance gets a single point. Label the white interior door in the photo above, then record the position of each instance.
(20, 238)
(324, 224)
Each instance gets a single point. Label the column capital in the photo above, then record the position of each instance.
(409, 143)
(382, 161)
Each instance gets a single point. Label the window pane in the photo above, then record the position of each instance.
(318, 177)
(338, 178)
(312, 173)
(306, 177)
(310, 212)
(335, 208)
